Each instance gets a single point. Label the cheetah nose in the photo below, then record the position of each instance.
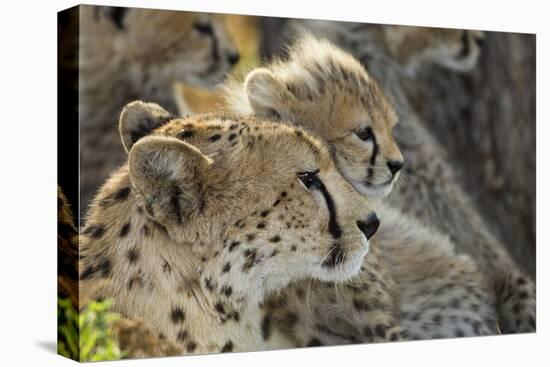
(369, 226)
(233, 57)
(395, 166)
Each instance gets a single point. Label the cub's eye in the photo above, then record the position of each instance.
(203, 28)
(365, 133)
(308, 178)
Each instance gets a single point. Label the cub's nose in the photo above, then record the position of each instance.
(369, 226)
(233, 57)
(395, 166)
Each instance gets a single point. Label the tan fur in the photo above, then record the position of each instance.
(134, 338)
(308, 89)
(192, 100)
(455, 49)
(138, 54)
(419, 259)
(208, 217)
(411, 46)
(437, 198)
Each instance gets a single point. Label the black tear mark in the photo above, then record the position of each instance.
(336, 256)
(374, 150)
(333, 226)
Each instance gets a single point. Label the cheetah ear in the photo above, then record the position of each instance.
(139, 119)
(169, 175)
(266, 95)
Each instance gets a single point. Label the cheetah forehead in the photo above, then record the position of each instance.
(320, 64)
(220, 132)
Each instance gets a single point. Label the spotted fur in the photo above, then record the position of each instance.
(210, 214)
(433, 193)
(410, 253)
(307, 89)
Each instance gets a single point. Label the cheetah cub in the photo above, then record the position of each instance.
(192, 231)
(394, 55)
(415, 280)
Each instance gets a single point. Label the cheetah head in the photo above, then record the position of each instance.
(455, 49)
(327, 91)
(410, 46)
(169, 45)
(249, 200)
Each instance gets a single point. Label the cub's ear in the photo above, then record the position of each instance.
(170, 176)
(139, 119)
(267, 96)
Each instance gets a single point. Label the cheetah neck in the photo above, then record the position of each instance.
(152, 277)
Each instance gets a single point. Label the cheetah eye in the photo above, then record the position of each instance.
(364, 134)
(203, 28)
(308, 178)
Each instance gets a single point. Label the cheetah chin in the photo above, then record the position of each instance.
(375, 190)
(347, 269)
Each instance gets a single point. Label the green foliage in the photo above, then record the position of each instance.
(94, 323)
